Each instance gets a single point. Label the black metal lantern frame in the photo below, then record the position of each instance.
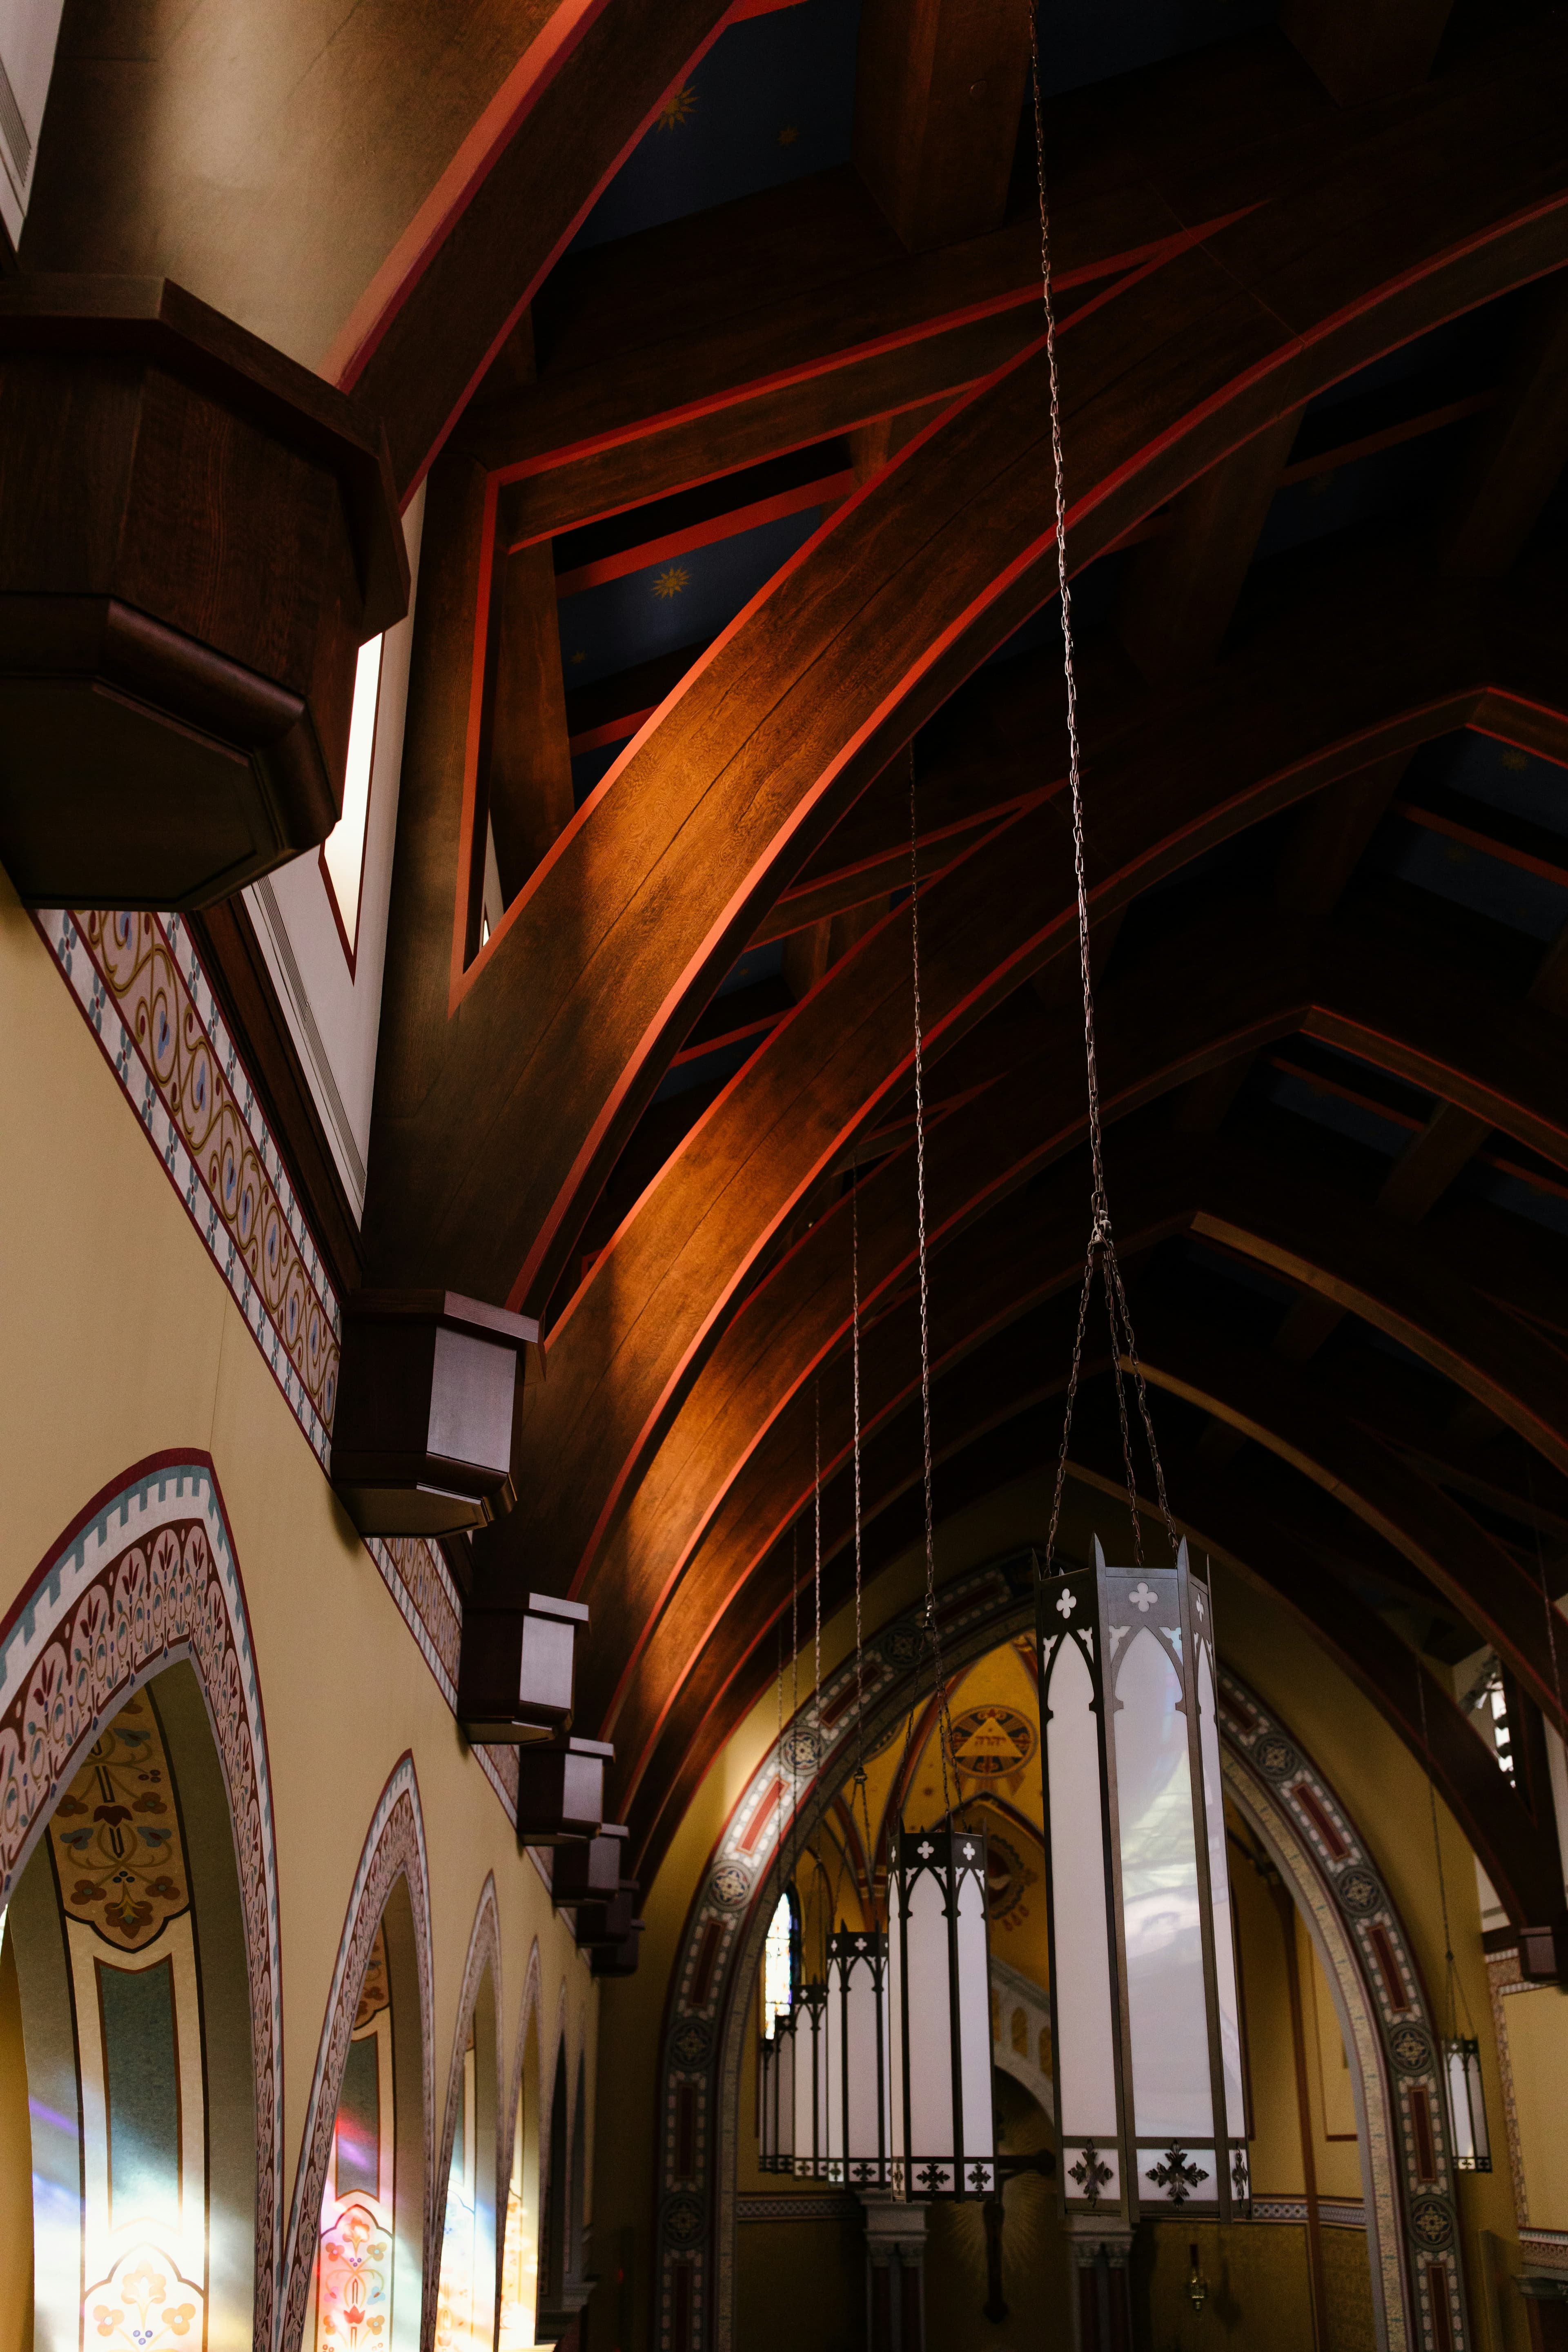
(938, 1978)
(1144, 2023)
(809, 2039)
(776, 2095)
(859, 2071)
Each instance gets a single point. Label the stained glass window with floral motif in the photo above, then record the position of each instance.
(353, 2277)
(125, 1891)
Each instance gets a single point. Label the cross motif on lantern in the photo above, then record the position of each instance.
(1143, 1599)
(1178, 2176)
(1090, 2174)
(1066, 1604)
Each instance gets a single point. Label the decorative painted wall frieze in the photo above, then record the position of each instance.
(142, 992)
(147, 1575)
(139, 984)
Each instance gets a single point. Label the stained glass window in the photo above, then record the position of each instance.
(353, 2277)
(456, 2298)
(778, 1962)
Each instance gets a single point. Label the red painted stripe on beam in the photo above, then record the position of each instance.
(359, 338)
(1544, 869)
(1137, 260)
(614, 730)
(827, 491)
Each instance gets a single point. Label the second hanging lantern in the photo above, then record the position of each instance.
(1144, 2023)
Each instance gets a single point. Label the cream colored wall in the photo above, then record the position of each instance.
(120, 1339)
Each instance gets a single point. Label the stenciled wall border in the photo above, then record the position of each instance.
(1410, 2219)
(139, 986)
(145, 1576)
(394, 1848)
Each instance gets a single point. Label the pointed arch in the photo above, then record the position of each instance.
(393, 1853)
(145, 1576)
(1389, 2031)
(479, 2021)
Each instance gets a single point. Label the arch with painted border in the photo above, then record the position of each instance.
(521, 2164)
(479, 2021)
(144, 1577)
(1389, 2031)
(391, 1876)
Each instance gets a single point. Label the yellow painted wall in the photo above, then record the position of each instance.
(1536, 2023)
(120, 1339)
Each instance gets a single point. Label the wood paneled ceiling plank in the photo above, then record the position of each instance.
(609, 953)
(1178, 776)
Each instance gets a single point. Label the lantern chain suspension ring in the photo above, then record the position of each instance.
(944, 1726)
(1101, 1244)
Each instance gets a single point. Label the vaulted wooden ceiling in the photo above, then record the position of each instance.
(1313, 287)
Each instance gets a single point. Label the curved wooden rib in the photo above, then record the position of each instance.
(504, 1095)
(991, 1441)
(1030, 1250)
(1238, 990)
(1182, 773)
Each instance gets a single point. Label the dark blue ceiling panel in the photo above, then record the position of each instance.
(673, 600)
(773, 99)
(1469, 877)
(1504, 777)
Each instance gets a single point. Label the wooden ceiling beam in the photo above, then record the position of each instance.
(1029, 1253)
(1178, 589)
(797, 1318)
(981, 1425)
(570, 1019)
(1366, 49)
(939, 88)
(1519, 452)
(634, 1335)
(762, 325)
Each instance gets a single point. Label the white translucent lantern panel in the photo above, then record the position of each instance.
(1086, 2055)
(1219, 1893)
(860, 2129)
(1467, 2108)
(898, 2140)
(974, 2022)
(782, 2095)
(927, 1980)
(810, 2104)
(1161, 1910)
(832, 2143)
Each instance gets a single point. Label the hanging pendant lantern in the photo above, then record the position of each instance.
(778, 2095)
(811, 2096)
(1470, 2140)
(1143, 1994)
(859, 2071)
(939, 1983)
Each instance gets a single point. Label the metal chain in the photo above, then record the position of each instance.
(793, 1692)
(860, 1790)
(1100, 1243)
(1437, 1851)
(944, 1727)
(817, 1581)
